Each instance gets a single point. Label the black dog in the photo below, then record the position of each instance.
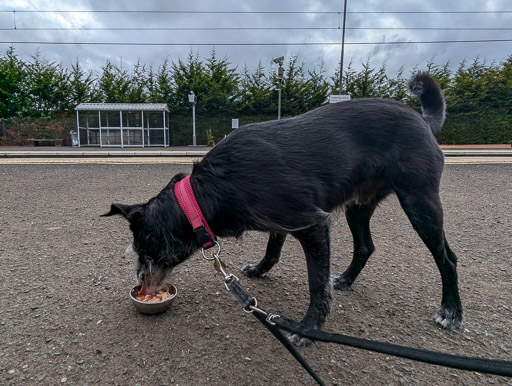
(287, 176)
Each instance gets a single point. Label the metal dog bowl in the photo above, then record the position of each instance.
(152, 308)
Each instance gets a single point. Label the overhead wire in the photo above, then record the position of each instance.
(447, 41)
(257, 12)
(250, 28)
(259, 44)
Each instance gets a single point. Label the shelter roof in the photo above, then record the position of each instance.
(122, 107)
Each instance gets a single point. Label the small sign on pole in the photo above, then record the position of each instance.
(338, 98)
(234, 123)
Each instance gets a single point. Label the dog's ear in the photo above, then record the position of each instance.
(129, 212)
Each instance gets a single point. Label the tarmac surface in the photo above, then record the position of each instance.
(65, 315)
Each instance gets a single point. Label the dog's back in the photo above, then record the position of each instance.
(358, 129)
(307, 165)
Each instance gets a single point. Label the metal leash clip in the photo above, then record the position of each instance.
(219, 266)
(215, 255)
(229, 278)
(268, 317)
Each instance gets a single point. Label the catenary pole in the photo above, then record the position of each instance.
(343, 45)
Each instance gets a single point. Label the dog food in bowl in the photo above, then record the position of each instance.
(161, 296)
(153, 303)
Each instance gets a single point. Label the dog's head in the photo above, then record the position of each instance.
(161, 238)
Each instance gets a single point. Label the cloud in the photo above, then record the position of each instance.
(394, 56)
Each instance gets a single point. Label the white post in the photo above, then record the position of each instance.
(121, 121)
(165, 133)
(279, 101)
(280, 73)
(193, 99)
(194, 124)
(108, 131)
(88, 137)
(99, 125)
(77, 128)
(142, 121)
(147, 127)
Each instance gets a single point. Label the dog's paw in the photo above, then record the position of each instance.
(341, 283)
(449, 318)
(251, 270)
(299, 340)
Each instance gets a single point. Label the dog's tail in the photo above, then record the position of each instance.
(432, 101)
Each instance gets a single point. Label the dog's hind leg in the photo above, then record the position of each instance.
(274, 246)
(315, 242)
(426, 215)
(358, 218)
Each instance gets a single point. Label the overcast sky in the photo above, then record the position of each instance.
(394, 56)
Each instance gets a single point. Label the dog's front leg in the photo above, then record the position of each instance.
(315, 242)
(274, 246)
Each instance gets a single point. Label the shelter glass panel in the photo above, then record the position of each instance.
(154, 137)
(132, 137)
(110, 119)
(132, 119)
(154, 120)
(111, 137)
(88, 119)
(90, 137)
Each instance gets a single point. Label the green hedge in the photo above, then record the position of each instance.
(220, 125)
(482, 127)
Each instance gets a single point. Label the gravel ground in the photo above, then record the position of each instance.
(65, 316)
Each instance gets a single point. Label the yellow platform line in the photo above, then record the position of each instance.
(149, 160)
(190, 160)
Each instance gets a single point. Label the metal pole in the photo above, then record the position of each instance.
(78, 129)
(279, 101)
(142, 120)
(194, 124)
(280, 73)
(122, 135)
(88, 136)
(343, 46)
(99, 124)
(165, 129)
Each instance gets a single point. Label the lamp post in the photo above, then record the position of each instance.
(280, 73)
(193, 100)
(343, 45)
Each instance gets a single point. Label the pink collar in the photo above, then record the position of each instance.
(190, 207)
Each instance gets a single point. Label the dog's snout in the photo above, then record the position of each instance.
(152, 275)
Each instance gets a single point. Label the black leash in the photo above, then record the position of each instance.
(249, 303)
(275, 323)
(482, 365)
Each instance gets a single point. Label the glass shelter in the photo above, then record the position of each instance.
(123, 124)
